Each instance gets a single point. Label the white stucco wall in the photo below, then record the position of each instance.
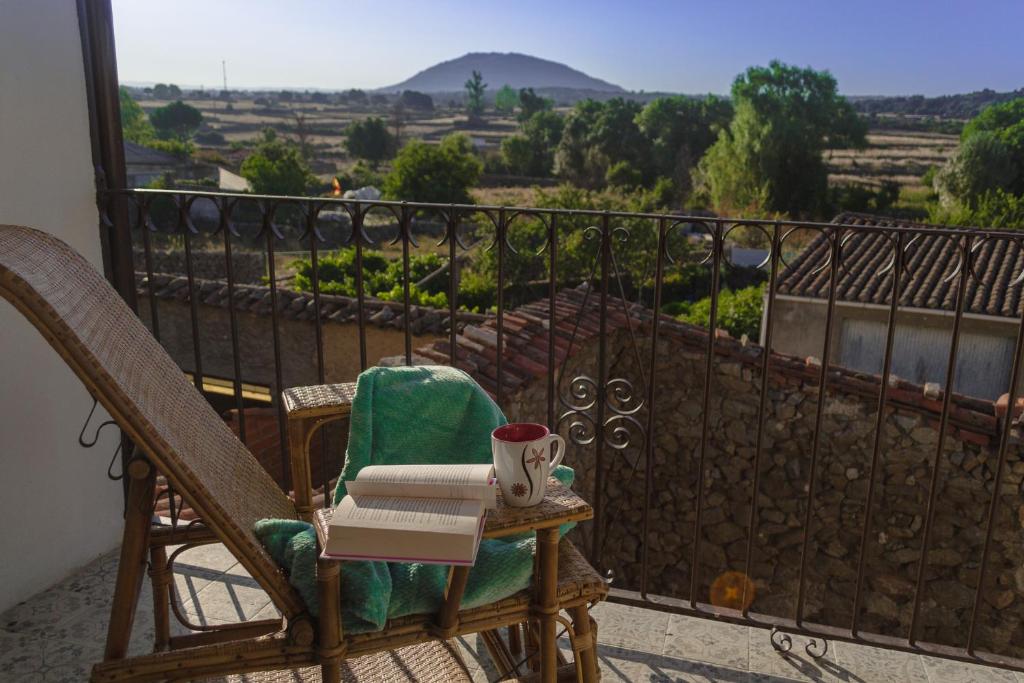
(58, 510)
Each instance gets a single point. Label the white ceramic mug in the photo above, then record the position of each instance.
(523, 459)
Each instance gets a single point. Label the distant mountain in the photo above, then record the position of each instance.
(499, 68)
(960, 106)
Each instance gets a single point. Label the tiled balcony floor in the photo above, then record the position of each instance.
(55, 636)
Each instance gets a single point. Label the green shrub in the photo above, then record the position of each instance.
(739, 312)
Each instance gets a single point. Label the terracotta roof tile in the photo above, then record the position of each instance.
(926, 283)
(294, 305)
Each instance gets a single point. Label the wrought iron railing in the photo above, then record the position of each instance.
(617, 419)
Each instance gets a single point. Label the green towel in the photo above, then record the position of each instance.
(400, 416)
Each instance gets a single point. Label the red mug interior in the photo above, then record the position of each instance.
(519, 432)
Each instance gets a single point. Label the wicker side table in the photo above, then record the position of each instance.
(560, 505)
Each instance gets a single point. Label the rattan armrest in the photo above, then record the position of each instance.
(307, 409)
(321, 400)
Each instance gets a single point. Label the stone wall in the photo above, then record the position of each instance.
(246, 266)
(256, 343)
(840, 488)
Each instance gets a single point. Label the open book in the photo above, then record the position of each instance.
(413, 513)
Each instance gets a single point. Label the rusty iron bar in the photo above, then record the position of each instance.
(357, 236)
(659, 274)
(223, 210)
(184, 206)
(1004, 440)
(837, 236)
(453, 283)
(602, 392)
(268, 210)
(501, 235)
(147, 250)
(552, 294)
(709, 366)
(947, 395)
(762, 401)
(312, 215)
(883, 395)
(406, 226)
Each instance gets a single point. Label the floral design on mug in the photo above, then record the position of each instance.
(537, 459)
(518, 489)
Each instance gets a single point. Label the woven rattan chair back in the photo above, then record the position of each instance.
(127, 370)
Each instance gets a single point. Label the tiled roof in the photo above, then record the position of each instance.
(929, 262)
(295, 305)
(526, 338)
(525, 355)
(138, 155)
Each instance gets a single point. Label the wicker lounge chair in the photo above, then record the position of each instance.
(178, 436)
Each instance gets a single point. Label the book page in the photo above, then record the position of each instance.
(451, 475)
(441, 515)
(474, 482)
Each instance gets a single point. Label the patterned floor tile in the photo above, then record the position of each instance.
(874, 664)
(46, 611)
(32, 659)
(767, 664)
(630, 627)
(704, 640)
(621, 664)
(949, 671)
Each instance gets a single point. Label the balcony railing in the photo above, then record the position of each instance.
(778, 489)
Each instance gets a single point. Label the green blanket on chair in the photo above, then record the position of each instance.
(409, 415)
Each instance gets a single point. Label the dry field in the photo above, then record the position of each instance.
(891, 155)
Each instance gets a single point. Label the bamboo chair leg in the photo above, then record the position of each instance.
(331, 649)
(515, 640)
(546, 602)
(504, 662)
(131, 568)
(586, 636)
(161, 579)
(447, 620)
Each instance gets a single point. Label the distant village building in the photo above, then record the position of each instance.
(145, 165)
(927, 305)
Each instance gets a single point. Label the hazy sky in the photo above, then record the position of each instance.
(872, 47)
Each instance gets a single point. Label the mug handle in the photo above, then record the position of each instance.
(561, 451)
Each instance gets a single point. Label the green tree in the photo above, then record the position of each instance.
(413, 99)
(434, 173)
(162, 91)
(506, 99)
(770, 156)
(475, 88)
(530, 103)
(1006, 122)
(276, 167)
(532, 153)
(369, 139)
(598, 135)
(982, 163)
(135, 126)
(176, 120)
(681, 129)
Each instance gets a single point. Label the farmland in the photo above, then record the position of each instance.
(894, 152)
